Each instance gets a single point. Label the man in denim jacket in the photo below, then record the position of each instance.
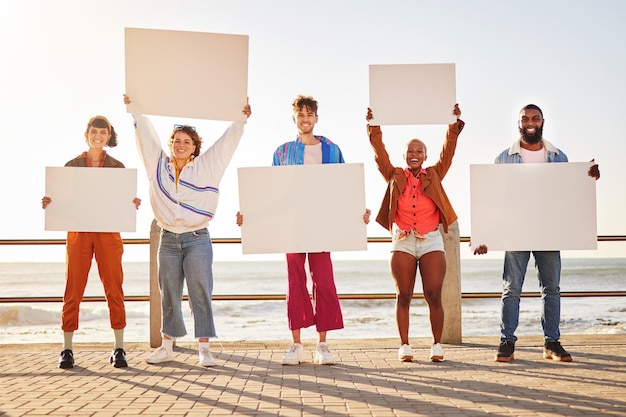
(531, 147)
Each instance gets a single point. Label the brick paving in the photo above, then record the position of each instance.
(249, 380)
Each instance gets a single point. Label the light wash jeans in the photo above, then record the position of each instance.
(186, 256)
(548, 266)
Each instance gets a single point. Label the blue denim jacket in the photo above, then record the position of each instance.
(513, 155)
(292, 153)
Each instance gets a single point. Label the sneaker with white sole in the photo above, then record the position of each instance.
(295, 355)
(323, 355)
(553, 350)
(405, 354)
(436, 353)
(160, 354)
(206, 359)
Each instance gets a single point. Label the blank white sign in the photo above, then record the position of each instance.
(412, 94)
(302, 208)
(533, 206)
(187, 74)
(91, 199)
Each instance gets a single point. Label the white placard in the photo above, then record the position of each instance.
(412, 94)
(187, 74)
(533, 206)
(91, 199)
(302, 208)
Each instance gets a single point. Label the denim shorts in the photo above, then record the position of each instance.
(416, 244)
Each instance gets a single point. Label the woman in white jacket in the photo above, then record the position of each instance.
(184, 191)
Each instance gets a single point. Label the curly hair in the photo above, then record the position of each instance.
(191, 131)
(304, 101)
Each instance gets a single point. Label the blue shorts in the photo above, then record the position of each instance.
(415, 244)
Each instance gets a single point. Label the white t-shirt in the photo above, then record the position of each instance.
(533, 157)
(313, 154)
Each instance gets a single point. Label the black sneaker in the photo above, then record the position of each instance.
(66, 359)
(118, 358)
(505, 352)
(554, 351)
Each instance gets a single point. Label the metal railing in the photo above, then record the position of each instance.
(272, 297)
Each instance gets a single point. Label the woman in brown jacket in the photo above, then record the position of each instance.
(107, 247)
(413, 207)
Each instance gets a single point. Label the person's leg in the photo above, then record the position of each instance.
(198, 271)
(79, 252)
(432, 266)
(515, 264)
(109, 248)
(548, 264)
(326, 304)
(403, 270)
(295, 335)
(299, 306)
(327, 309)
(171, 282)
(79, 256)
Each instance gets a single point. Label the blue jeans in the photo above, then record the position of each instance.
(186, 256)
(548, 266)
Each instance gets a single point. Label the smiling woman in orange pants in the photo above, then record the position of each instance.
(107, 248)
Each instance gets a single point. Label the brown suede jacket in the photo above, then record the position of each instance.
(81, 161)
(431, 180)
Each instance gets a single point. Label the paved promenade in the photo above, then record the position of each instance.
(249, 380)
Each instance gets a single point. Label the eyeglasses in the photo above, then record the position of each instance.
(185, 127)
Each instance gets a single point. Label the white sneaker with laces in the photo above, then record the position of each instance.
(206, 359)
(436, 353)
(295, 355)
(160, 354)
(323, 355)
(405, 354)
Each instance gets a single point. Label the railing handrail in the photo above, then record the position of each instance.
(237, 240)
(346, 296)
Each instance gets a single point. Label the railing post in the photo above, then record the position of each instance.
(155, 294)
(451, 292)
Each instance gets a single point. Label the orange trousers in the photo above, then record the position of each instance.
(108, 249)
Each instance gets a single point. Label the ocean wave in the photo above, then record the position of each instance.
(16, 315)
(20, 315)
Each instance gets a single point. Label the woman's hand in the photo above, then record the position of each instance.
(366, 216)
(246, 109)
(481, 250)
(137, 202)
(239, 219)
(456, 111)
(127, 99)
(594, 171)
(45, 201)
(369, 116)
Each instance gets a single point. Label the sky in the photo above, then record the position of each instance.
(63, 62)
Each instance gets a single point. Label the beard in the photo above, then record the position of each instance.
(534, 138)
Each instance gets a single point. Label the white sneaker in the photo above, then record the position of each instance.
(295, 355)
(405, 354)
(160, 354)
(206, 359)
(436, 353)
(323, 355)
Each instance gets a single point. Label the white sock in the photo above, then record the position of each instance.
(203, 345)
(119, 338)
(168, 344)
(68, 338)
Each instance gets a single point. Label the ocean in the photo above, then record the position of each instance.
(266, 320)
